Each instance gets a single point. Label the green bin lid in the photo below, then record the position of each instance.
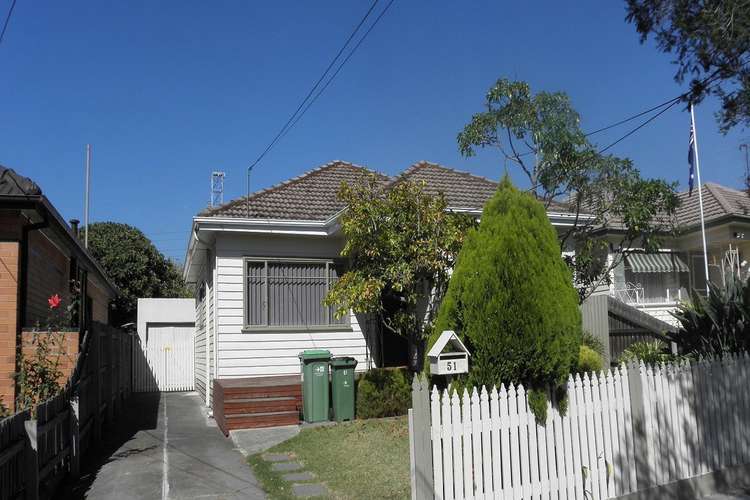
(344, 362)
(315, 354)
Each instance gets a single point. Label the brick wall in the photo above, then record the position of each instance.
(48, 274)
(9, 262)
(100, 299)
(65, 349)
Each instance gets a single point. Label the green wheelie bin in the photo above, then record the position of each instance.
(342, 375)
(315, 396)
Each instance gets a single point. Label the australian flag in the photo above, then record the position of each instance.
(691, 160)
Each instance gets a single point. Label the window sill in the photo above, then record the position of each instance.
(297, 329)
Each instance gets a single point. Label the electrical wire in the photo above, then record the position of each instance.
(633, 117)
(7, 20)
(304, 101)
(636, 129)
(340, 67)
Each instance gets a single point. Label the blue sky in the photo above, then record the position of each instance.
(166, 92)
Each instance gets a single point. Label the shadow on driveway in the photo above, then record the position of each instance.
(165, 447)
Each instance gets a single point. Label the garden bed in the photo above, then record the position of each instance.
(357, 460)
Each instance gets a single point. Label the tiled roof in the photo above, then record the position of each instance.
(310, 197)
(313, 195)
(718, 201)
(461, 189)
(13, 183)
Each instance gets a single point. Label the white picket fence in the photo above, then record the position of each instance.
(625, 430)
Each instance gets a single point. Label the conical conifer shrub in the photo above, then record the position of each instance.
(512, 301)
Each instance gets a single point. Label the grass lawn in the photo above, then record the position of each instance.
(357, 460)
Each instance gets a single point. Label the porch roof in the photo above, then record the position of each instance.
(655, 263)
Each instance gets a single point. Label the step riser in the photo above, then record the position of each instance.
(261, 407)
(252, 423)
(263, 392)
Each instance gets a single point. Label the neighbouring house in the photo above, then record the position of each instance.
(655, 283)
(41, 255)
(261, 267)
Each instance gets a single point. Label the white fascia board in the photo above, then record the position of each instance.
(556, 218)
(268, 226)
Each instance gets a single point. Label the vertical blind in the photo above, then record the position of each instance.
(289, 293)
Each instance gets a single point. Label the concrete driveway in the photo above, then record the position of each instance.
(166, 448)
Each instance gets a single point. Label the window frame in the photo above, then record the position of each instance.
(340, 327)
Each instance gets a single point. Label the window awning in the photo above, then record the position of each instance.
(656, 263)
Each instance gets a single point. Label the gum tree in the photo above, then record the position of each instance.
(540, 136)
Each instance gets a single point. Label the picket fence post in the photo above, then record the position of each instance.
(421, 424)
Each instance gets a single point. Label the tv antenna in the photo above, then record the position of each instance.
(217, 188)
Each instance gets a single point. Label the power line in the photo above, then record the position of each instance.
(633, 131)
(633, 117)
(339, 68)
(7, 20)
(314, 87)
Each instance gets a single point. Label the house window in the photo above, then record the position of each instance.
(289, 293)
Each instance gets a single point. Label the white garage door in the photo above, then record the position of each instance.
(166, 361)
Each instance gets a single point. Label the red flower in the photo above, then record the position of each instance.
(54, 301)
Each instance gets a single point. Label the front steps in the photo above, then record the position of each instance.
(247, 403)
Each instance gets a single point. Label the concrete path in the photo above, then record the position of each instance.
(167, 448)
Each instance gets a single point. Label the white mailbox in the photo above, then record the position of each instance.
(449, 356)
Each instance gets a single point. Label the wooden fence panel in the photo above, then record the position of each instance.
(12, 460)
(36, 454)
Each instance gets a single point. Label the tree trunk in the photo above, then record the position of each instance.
(416, 353)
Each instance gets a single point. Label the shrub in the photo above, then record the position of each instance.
(593, 342)
(589, 360)
(717, 324)
(384, 392)
(511, 299)
(651, 352)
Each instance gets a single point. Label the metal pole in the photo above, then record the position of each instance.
(747, 165)
(700, 193)
(86, 197)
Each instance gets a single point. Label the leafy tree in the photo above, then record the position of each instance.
(711, 43)
(512, 301)
(541, 135)
(400, 245)
(135, 265)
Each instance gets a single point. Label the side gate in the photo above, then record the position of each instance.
(165, 361)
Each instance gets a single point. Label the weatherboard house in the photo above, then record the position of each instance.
(262, 264)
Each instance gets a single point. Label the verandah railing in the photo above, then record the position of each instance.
(625, 430)
(36, 454)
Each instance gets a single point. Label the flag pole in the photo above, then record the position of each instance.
(700, 193)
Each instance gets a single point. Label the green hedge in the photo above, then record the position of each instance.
(384, 392)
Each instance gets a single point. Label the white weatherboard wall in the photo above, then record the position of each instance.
(204, 331)
(255, 353)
